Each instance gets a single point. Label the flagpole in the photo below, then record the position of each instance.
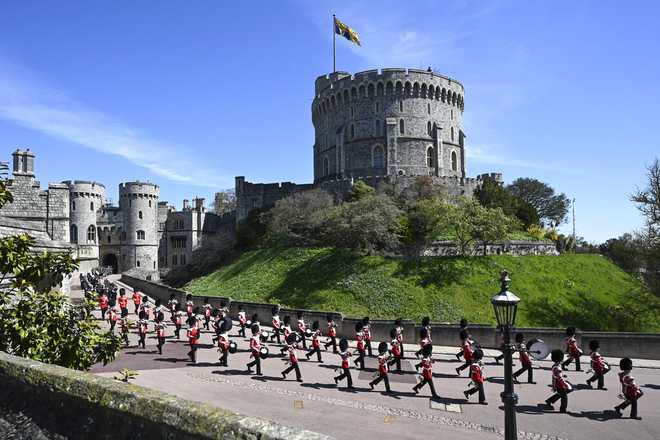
(334, 44)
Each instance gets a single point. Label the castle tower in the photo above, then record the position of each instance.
(138, 202)
(23, 163)
(388, 122)
(85, 200)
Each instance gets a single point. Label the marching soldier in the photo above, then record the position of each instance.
(193, 338)
(146, 307)
(160, 331)
(172, 306)
(477, 376)
(424, 340)
(207, 313)
(223, 341)
(630, 391)
(242, 321)
(426, 325)
(598, 366)
(189, 309)
(525, 360)
(383, 357)
(123, 303)
(360, 345)
(468, 351)
(560, 385)
(398, 326)
(178, 320)
(344, 354)
(255, 349)
(463, 325)
(286, 331)
(112, 319)
(302, 328)
(366, 331)
(137, 300)
(124, 329)
(397, 353)
(292, 346)
(103, 304)
(316, 342)
(332, 334)
(427, 371)
(143, 327)
(574, 352)
(277, 324)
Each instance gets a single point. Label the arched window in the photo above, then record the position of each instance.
(428, 128)
(377, 107)
(149, 203)
(379, 131)
(370, 90)
(352, 112)
(400, 106)
(137, 263)
(377, 159)
(326, 166)
(429, 157)
(74, 234)
(428, 108)
(73, 205)
(401, 126)
(91, 234)
(140, 215)
(454, 161)
(379, 89)
(140, 235)
(91, 206)
(452, 115)
(452, 133)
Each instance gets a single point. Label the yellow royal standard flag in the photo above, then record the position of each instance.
(346, 32)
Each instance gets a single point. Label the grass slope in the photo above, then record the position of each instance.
(583, 290)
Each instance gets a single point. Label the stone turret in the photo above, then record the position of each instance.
(139, 241)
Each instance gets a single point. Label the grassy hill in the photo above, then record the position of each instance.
(584, 290)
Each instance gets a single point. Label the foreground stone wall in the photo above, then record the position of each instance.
(79, 405)
(613, 344)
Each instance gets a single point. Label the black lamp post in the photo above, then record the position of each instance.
(505, 305)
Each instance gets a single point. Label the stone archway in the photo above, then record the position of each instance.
(110, 260)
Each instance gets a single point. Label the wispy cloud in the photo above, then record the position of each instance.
(31, 103)
(490, 156)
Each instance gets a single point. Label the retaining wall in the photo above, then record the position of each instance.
(80, 405)
(613, 344)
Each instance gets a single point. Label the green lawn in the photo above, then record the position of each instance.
(583, 290)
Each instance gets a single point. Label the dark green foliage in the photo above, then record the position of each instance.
(550, 207)
(492, 194)
(251, 231)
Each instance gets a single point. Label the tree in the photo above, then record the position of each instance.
(296, 219)
(38, 321)
(491, 225)
(648, 200)
(551, 208)
(626, 252)
(492, 194)
(361, 190)
(224, 202)
(424, 221)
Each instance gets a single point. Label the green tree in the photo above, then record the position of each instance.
(551, 208)
(38, 321)
(361, 190)
(648, 200)
(492, 194)
(295, 220)
(424, 221)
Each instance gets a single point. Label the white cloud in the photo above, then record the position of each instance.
(488, 155)
(29, 102)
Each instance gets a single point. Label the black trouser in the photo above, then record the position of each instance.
(530, 372)
(383, 377)
(224, 357)
(479, 386)
(193, 352)
(161, 342)
(141, 342)
(559, 394)
(367, 346)
(303, 339)
(395, 360)
(103, 313)
(137, 308)
(360, 359)
(464, 366)
(333, 342)
(241, 331)
(284, 349)
(316, 350)
(276, 334)
(257, 362)
(420, 385)
(207, 319)
(600, 377)
(124, 312)
(459, 355)
(125, 337)
(112, 326)
(177, 331)
(633, 407)
(346, 373)
(499, 358)
(571, 359)
(293, 366)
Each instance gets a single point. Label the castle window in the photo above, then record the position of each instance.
(452, 133)
(91, 234)
(377, 158)
(130, 202)
(73, 205)
(401, 126)
(428, 128)
(174, 260)
(149, 203)
(91, 206)
(109, 239)
(137, 263)
(74, 234)
(400, 106)
(352, 131)
(183, 259)
(377, 107)
(378, 127)
(452, 115)
(428, 108)
(429, 157)
(140, 215)
(123, 235)
(154, 264)
(454, 161)
(326, 166)
(352, 112)
(140, 235)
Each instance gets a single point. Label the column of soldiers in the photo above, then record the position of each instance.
(295, 339)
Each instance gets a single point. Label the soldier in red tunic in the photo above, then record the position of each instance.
(424, 340)
(525, 360)
(103, 304)
(223, 340)
(397, 353)
(124, 329)
(359, 336)
(332, 335)
(143, 327)
(426, 325)
(316, 342)
(137, 300)
(178, 320)
(207, 313)
(427, 371)
(598, 365)
(398, 325)
(302, 328)
(123, 302)
(242, 321)
(112, 318)
(286, 331)
(383, 357)
(560, 384)
(172, 304)
(366, 331)
(292, 345)
(630, 391)
(463, 325)
(193, 338)
(574, 352)
(276, 324)
(255, 350)
(344, 353)
(468, 351)
(160, 331)
(190, 306)
(477, 377)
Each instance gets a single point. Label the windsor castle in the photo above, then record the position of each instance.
(385, 127)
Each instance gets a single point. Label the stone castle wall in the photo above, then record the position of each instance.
(138, 202)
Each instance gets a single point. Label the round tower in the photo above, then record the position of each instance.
(138, 202)
(86, 199)
(389, 122)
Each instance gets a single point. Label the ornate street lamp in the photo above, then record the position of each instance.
(505, 305)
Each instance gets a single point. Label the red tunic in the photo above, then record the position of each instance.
(103, 302)
(572, 347)
(332, 330)
(360, 342)
(316, 343)
(524, 355)
(344, 358)
(137, 298)
(301, 326)
(427, 368)
(113, 316)
(467, 350)
(382, 364)
(399, 334)
(160, 331)
(223, 342)
(143, 327)
(396, 347)
(276, 322)
(476, 373)
(193, 335)
(558, 380)
(241, 318)
(189, 308)
(293, 358)
(123, 302)
(207, 311)
(629, 388)
(597, 362)
(255, 346)
(367, 333)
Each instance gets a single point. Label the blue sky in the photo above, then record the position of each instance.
(191, 94)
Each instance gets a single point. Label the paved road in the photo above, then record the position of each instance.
(317, 404)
